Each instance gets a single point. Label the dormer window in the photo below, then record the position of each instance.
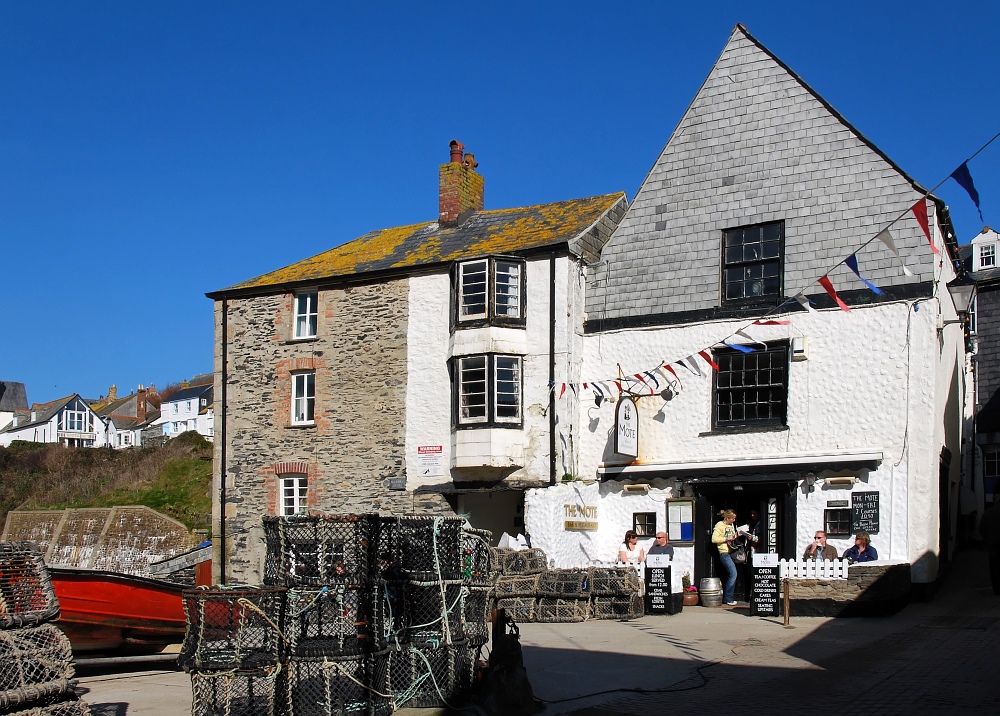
(987, 256)
(490, 292)
(306, 314)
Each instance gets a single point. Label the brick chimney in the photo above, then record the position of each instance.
(112, 393)
(461, 188)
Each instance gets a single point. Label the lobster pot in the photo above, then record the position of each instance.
(232, 628)
(564, 584)
(26, 594)
(478, 558)
(516, 585)
(421, 548)
(431, 612)
(332, 621)
(316, 550)
(327, 686)
(520, 609)
(257, 692)
(551, 610)
(525, 561)
(612, 582)
(69, 705)
(428, 678)
(37, 665)
(630, 607)
(477, 608)
(380, 699)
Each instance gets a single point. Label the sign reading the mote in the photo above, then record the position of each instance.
(764, 589)
(589, 512)
(627, 428)
(864, 512)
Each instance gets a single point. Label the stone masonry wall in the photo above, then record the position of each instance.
(869, 590)
(357, 442)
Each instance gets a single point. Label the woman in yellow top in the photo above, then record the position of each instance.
(722, 535)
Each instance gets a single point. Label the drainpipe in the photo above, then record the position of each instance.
(552, 367)
(222, 451)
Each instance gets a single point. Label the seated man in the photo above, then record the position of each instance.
(662, 545)
(819, 549)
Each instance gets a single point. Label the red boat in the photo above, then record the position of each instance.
(101, 611)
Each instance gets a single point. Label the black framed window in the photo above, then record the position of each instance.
(487, 391)
(752, 258)
(489, 291)
(837, 522)
(751, 389)
(991, 471)
(644, 523)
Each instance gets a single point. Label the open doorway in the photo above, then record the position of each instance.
(498, 511)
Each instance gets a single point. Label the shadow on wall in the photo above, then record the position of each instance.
(870, 590)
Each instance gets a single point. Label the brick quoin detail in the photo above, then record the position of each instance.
(284, 468)
(272, 482)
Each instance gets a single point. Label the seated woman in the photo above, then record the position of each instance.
(630, 552)
(862, 551)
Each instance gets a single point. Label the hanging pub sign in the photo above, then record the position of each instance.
(864, 512)
(627, 428)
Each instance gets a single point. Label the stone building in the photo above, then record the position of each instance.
(829, 418)
(404, 371)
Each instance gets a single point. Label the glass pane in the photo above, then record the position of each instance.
(472, 389)
(772, 232)
(473, 278)
(508, 388)
(734, 255)
(508, 289)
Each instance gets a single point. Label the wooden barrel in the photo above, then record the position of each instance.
(710, 592)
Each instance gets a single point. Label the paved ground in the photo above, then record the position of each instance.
(931, 657)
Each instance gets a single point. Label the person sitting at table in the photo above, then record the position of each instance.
(862, 551)
(629, 551)
(819, 549)
(661, 545)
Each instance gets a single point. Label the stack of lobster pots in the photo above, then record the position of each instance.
(36, 676)
(359, 614)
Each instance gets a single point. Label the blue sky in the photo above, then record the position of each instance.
(151, 152)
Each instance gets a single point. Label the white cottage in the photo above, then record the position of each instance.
(70, 421)
(837, 418)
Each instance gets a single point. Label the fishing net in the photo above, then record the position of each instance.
(479, 559)
(236, 693)
(612, 582)
(477, 608)
(520, 609)
(421, 548)
(564, 584)
(64, 705)
(328, 686)
(317, 550)
(430, 612)
(523, 561)
(37, 662)
(333, 621)
(430, 678)
(233, 628)
(550, 610)
(516, 585)
(26, 594)
(628, 607)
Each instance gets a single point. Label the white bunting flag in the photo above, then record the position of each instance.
(886, 238)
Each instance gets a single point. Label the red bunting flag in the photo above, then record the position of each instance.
(828, 286)
(673, 373)
(708, 359)
(920, 211)
(562, 390)
(771, 322)
(618, 384)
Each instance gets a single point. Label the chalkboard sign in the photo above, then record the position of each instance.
(765, 587)
(658, 596)
(864, 512)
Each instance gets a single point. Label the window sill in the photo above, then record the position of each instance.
(309, 339)
(490, 426)
(300, 426)
(741, 429)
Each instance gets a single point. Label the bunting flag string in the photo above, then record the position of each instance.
(828, 287)
(920, 212)
(852, 263)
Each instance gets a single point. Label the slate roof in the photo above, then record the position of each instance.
(195, 391)
(44, 412)
(491, 232)
(12, 396)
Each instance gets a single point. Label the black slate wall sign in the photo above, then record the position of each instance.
(864, 512)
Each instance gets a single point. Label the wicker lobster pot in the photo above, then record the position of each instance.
(318, 550)
(428, 678)
(258, 692)
(233, 628)
(26, 594)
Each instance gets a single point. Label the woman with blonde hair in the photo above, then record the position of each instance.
(862, 551)
(723, 536)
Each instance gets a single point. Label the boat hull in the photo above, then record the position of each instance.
(101, 611)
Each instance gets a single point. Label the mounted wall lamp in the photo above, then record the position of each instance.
(636, 489)
(840, 481)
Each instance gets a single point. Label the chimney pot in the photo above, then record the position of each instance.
(456, 151)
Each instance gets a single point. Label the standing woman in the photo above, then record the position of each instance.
(630, 552)
(722, 535)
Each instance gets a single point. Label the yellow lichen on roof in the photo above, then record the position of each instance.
(495, 231)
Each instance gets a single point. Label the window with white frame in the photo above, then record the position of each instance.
(75, 421)
(306, 314)
(987, 256)
(490, 291)
(303, 398)
(488, 390)
(124, 439)
(187, 405)
(294, 490)
(176, 408)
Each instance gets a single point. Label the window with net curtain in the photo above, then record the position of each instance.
(306, 314)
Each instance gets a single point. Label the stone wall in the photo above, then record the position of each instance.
(869, 590)
(357, 442)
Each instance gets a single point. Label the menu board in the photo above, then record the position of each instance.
(765, 585)
(864, 512)
(658, 596)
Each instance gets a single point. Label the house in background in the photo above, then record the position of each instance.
(190, 408)
(405, 371)
(837, 417)
(127, 418)
(69, 421)
(13, 398)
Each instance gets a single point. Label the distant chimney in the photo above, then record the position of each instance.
(461, 188)
(112, 393)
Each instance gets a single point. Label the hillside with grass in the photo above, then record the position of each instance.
(175, 479)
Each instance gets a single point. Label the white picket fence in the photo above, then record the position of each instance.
(813, 568)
